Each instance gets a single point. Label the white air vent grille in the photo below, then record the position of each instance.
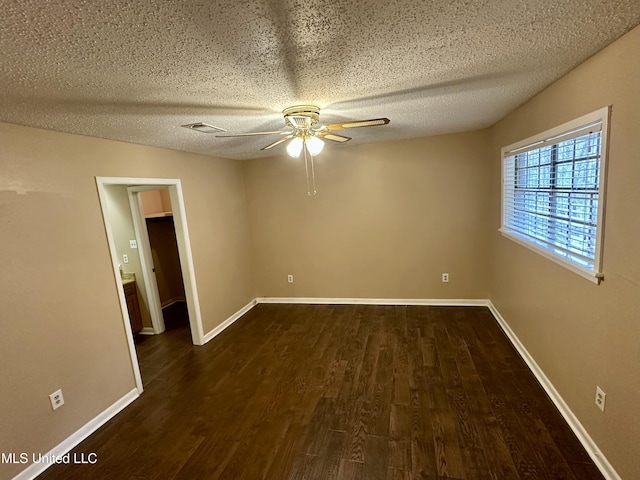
(204, 127)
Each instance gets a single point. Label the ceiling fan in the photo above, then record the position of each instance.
(306, 134)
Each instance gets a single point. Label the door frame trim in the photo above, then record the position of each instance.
(184, 250)
(146, 258)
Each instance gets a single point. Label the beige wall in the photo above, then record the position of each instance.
(387, 221)
(121, 222)
(155, 201)
(581, 334)
(61, 320)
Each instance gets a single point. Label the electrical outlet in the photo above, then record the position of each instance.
(601, 398)
(56, 399)
(290, 278)
(445, 277)
(125, 258)
(133, 243)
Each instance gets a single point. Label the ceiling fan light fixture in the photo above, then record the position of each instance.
(304, 134)
(314, 145)
(294, 147)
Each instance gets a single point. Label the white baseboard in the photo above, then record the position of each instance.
(341, 301)
(147, 331)
(590, 446)
(450, 302)
(35, 469)
(171, 301)
(216, 331)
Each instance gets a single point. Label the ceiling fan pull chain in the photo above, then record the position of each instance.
(306, 167)
(313, 176)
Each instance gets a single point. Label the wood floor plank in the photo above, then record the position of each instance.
(401, 373)
(358, 431)
(495, 448)
(350, 470)
(447, 450)
(376, 457)
(165, 454)
(400, 455)
(302, 467)
(329, 466)
(399, 422)
(471, 448)
(382, 394)
(286, 453)
(423, 448)
(527, 461)
(348, 392)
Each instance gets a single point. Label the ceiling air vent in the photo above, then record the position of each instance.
(204, 128)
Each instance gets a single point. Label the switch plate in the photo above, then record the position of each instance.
(445, 278)
(125, 258)
(56, 399)
(133, 243)
(601, 398)
(290, 278)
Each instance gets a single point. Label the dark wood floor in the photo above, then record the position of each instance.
(337, 392)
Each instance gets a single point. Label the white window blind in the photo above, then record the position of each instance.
(552, 193)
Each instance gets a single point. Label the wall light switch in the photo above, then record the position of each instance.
(133, 243)
(601, 398)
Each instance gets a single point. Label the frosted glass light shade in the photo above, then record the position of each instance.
(294, 148)
(314, 145)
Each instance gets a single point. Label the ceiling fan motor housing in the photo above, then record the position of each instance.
(302, 117)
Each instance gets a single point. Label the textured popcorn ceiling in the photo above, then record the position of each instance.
(137, 70)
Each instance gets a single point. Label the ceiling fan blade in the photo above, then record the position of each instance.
(249, 134)
(277, 142)
(359, 123)
(333, 137)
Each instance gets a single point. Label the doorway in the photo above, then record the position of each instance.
(148, 281)
(160, 228)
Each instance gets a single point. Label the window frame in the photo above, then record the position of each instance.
(601, 115)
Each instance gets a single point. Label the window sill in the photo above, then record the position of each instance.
(594, 277)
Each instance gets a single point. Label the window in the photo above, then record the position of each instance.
(553, 193)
